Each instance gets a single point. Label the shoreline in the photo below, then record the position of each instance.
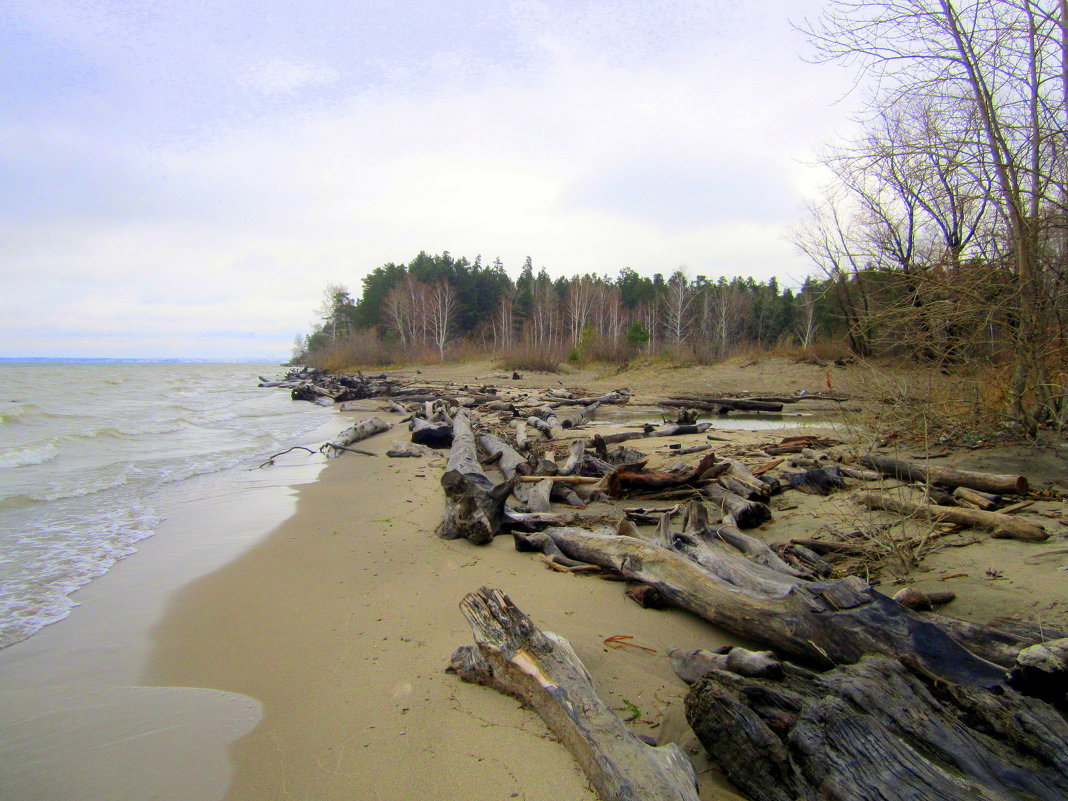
(78, 721)
(341, 624)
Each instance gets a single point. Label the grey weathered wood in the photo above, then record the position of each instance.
(575, 456)
(580, 416)
(666, 431)
(878, 731)
(508, 461)
(541, 669)
(1001, 526)
(474, 507)
(746, 514)
(538, 496)
(361, 430)
(947, 476)
(822, 623)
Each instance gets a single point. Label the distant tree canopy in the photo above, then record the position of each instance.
(436, 300)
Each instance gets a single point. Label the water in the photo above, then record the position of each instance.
(87, 449)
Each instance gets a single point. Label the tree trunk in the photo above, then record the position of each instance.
(508, 461)
(513, 656)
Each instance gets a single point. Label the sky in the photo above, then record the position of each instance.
(183, 178)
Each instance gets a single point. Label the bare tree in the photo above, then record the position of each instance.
(677, 303)
(440, 315)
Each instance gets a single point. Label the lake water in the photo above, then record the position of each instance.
(89, 452)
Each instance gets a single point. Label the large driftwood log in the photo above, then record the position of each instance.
(541, 669)
(878, 731)
(580, 416)
(821, 623)
(474, 507)
(365, 428)
(1001, 526)
(947, 476)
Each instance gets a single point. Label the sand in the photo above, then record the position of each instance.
(316, 653)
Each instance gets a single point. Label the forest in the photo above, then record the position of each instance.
(940, 237)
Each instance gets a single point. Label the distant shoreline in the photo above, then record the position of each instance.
(109, 360)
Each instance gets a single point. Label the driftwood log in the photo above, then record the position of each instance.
(541, 669)
(361, 430)
(947, 476)
(630, 478)
(821, 623)
(429, 434)
(724, 405)
(878, 730)
(665, 431)
(474, 507)
(1001, 526)
(507, 459)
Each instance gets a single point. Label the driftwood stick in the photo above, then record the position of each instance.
(561, 479)
(361, 430)
(513, 656)
(1002, 526)
(947, 476)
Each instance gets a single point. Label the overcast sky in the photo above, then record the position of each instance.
(183, 177)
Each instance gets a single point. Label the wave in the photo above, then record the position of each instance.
(28, 455)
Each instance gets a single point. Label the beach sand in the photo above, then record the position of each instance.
(308, 662)
(342, 622)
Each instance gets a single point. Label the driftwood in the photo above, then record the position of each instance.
(820, 481)
(539, 496)
(561, 479)
(433, 436)
(691, 666)
(365, 428)
(947, 476)
(921, 600)
(513, 656)
(521, 443)
(821, 623)
(579, 417)
(575, 458)
(474, 507)
(741, 480)
(628, 478)
(965, 496)
(724, 405)
(402, 450)
(746, 514)
(878, 730)
(540, 425)
(666, 431)
(508, 461)
(1001, 526)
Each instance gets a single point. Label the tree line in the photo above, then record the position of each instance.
(437, 303)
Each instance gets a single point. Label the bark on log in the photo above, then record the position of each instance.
(361, 430)
(878, 731)
(474, 507)
(542, 670)
(1001, 526)
(822, 623)
(947, 476)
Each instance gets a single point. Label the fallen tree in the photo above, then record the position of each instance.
(1002, 526)
(474, 507)
(361, 430)
(541, 669)
(947, 476)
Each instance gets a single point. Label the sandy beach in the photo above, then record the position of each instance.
(309, 662)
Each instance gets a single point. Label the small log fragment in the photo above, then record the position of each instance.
(521, 443)
(860, 475)
(513, 656)
(1041, 671)
(976, 499)
(538, 498)
(647, 597)
(406, 450)
(922, 600)
(820, 481)
(666, 431)
(540, 425)
(947, 476)
(1001, 526)
(690, 666)
(361, 430)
